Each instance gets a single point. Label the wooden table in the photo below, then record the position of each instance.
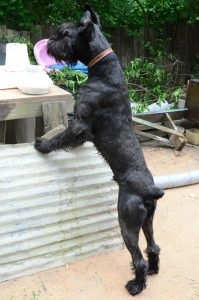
(15, 105)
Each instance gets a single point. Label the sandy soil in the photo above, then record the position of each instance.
(104, 276)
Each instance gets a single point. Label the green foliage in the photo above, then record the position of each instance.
(131, 14)
(139, 14)
(68, 79)
(52, 12)
(21, 40)
(23, 14)
(35, 295)
(14, 14)
(148, 81)
(151, 82)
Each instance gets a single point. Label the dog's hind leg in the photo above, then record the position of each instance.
(131, 217)
(152, 250)
(75, 135)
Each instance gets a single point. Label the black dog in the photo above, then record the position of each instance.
(103, 116)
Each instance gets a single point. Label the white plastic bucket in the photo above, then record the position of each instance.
(16, 57)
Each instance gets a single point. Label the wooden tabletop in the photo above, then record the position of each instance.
(11, 96)
(16, 105)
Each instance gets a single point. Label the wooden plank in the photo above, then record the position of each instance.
(20, 110)
(52, 133)
(192, 100)
(140, 127)
(3, 29)
(36, 34)
(25, 130)
(177, 141)
(2, 132)
(25, 33)
(10, 137)
(25, 110)
(15, 105)
(13, 96)
(156, 126)
(158, 117)
(153, 136)
(170, 122)
(153, 132)
(54, 114)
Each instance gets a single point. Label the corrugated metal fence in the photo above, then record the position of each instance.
(54, 209)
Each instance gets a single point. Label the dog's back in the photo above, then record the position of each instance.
(111, 121)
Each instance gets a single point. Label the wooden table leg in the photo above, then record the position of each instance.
(54, 114)
(25, 130)
(2, 132)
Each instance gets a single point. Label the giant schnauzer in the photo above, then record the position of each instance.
(102, 115)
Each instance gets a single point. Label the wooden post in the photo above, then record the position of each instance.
(25, 130)
(2, 132)
(54, 114)
(36, 35)
(192, 100)
(25, 34)
(3, 30)
(177, 141)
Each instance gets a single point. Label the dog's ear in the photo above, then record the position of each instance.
(86, 19)
(86, 22)
(94, 15)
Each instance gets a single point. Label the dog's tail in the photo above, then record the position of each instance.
(155, 192)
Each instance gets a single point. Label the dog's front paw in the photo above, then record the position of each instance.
(42, 145)
(134, 287)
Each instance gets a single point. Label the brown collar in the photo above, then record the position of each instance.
(99, 57)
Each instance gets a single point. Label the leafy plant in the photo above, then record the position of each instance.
(21, 40)
(35, 295)
(68, 78)
(150, 81)
(15, 14)
(132, 14)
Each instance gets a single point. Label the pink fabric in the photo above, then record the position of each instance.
(41, 55)
(43, 59)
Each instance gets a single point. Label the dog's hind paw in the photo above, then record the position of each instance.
(153, 260)
(134, 287)
(152, 270)
(42, 145)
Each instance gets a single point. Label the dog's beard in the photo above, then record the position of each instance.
(61, 52)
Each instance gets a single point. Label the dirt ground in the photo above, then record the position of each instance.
(103, 277)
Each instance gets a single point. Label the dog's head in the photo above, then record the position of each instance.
(74, 41)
